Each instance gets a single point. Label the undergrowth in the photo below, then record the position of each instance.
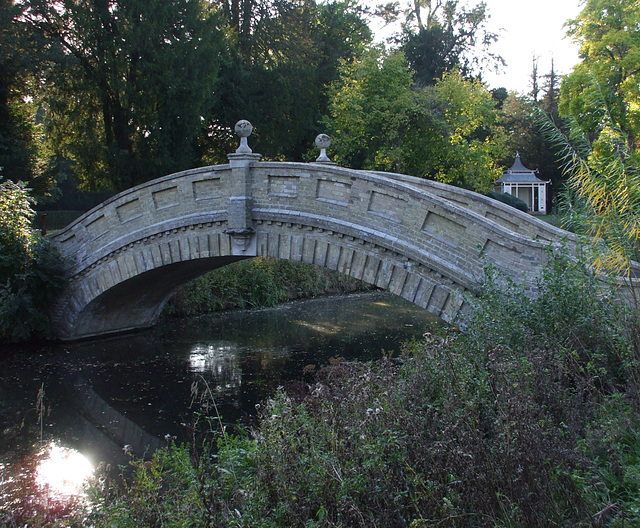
(529, 418)
(261, 282)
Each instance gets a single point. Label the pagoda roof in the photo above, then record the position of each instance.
(520, 174)
(518, 166)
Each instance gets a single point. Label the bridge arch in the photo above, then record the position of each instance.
(424, 241)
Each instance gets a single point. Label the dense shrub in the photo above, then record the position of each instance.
(509, 199)
(258, 283)
(31, 271)
(529, 418)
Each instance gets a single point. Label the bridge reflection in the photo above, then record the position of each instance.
(111, 423)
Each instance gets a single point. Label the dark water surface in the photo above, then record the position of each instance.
(99, 396)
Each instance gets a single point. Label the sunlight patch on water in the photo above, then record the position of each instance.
(214, 359)
(62, 472)
(218, 361)
(323, 329)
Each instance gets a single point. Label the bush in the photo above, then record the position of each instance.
(509, 199)
(31, 271)
(529, 418)
(164, 491)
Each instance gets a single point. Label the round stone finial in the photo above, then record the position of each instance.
(243, 128)
(323, 142)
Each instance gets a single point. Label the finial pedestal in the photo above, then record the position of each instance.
(240, 223)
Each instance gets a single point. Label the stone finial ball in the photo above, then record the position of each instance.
(323, 141)
(243, 128)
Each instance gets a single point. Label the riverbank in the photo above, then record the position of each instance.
(528, 419)
(143, 381)
(259, 282)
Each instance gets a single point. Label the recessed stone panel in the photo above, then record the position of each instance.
(284, 186)
(166, 198)
(206, 189)
(501, 254)
(443, 228)
(98, 227)
(129, 211)
(333, 191)
(387, 205)
(501, 220)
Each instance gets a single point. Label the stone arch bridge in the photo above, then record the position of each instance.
(424, 241)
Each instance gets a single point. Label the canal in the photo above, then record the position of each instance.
(65, 409)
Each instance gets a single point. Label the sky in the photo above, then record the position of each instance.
(528, 28)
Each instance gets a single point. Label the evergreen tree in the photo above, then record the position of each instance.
(547, 156)
(535, 82)
(126, 94)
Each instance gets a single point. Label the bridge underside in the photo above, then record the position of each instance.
(125, 295)
(137, 302)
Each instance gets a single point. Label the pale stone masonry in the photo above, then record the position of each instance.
(424, 241)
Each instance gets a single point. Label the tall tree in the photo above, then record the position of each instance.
(279, 78)
(440, 35)
(600, 101)
(382, 121)
(551, 90)
(535, 80)
(374, 113)
(610, 54)
(20, 145)
(126, 95)
(473, 139)
(547, 152)
(603, 173)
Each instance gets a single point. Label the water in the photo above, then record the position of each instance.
(65, 409)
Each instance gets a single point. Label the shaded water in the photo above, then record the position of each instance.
(98, 397)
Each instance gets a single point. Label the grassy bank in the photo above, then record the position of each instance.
(258, 283)
(529, 418)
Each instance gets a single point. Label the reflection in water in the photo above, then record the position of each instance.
(220, 362)
(326, 329)
(133, 390)
(62, 472)
(44, 485)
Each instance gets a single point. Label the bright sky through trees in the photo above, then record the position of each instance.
(532, 28)
(527, 28)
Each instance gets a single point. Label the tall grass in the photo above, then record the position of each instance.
(529, 418)
(258, 283)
